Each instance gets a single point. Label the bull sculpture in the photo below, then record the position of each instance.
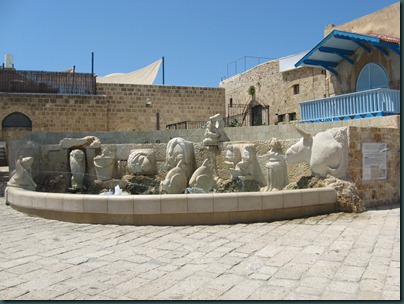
(322, 152)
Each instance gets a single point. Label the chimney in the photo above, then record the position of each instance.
(8, 58)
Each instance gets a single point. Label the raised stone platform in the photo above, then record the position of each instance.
(174, 209)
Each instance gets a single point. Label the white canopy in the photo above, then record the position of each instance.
(146, 75)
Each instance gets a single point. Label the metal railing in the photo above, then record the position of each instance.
(17, 81)
(369, 103)
(187, 125)
(243, 64)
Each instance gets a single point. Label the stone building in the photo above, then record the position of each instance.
(274, 91)
(115, 107)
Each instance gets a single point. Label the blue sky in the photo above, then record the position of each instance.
(199, 39)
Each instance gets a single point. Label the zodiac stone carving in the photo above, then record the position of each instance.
(142, 162)
(180, 149)
(233, 156)
(214, 132)
(276, 166)
(104, 167)
(77, 168)
(202, 180)
(245, 167)
(85, 142)
(22, 175)
(322, 152)
(175, 181)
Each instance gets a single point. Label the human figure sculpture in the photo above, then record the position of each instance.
(202, 180)
(276, 166)
(77, 168)
(214, 132)
(180, 149)
(175, 181)
(233, 156)
(22, 176)
(142, 162)
(245, 167)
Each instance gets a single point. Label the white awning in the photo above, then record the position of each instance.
(146, 75)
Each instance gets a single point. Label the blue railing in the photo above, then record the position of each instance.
(376, 102)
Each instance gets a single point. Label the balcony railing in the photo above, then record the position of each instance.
(376, 102)
(17, 81)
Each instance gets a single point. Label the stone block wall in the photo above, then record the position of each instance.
(375, 192)
(127, 108)
(53, 112)
(117, 107)
(275, 89)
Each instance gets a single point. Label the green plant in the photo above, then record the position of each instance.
(251, 90)
(234, 123)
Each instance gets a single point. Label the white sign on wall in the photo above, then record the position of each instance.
(374, 161)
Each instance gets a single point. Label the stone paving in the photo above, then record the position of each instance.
(337, 256)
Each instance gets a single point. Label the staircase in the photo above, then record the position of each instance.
(3, 155)
(4, 170)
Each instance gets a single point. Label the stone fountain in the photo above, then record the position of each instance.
(182, 176)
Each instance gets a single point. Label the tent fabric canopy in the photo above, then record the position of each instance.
(146, 75)
(339, 45)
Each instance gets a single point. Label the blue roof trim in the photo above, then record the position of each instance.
(313, 57)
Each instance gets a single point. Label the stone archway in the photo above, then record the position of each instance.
(15, 125)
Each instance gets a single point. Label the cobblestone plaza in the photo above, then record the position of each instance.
(336, 256)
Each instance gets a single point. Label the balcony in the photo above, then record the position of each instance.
(371, 103)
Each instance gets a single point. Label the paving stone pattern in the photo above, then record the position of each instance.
(336, 256)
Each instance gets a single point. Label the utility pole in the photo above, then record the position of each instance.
(163, 68)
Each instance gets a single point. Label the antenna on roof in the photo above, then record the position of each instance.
(92, 63)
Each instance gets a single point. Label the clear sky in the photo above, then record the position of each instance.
(199, 39)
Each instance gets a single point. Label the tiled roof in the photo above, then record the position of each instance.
(386, 38)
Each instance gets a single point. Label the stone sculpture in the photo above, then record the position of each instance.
(175, 181)
(121, 167)
(142, 162)
(180, 149)
(233, 156)
(276, 166)
(77, 168)
(214, 132)
(322, 152)
(85, 142)
(104, 167)
(245, 167)
(202, 181)
(22, 175)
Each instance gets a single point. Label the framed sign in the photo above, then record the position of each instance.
(374, 161)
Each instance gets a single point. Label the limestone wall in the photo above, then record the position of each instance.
(117, 107)
(375, 192)
(274, 88)
(385, 21)
(127, 108)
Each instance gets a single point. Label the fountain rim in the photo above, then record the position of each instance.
(174, 209)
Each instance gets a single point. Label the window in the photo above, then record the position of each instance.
(231, 103)
(292, 116)
(281, 117)
(17, 120)
(296, 89)
(372, 76)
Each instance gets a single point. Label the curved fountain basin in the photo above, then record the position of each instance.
(174, 209)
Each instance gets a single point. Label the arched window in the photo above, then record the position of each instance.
(17, 120)
(372, 76)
